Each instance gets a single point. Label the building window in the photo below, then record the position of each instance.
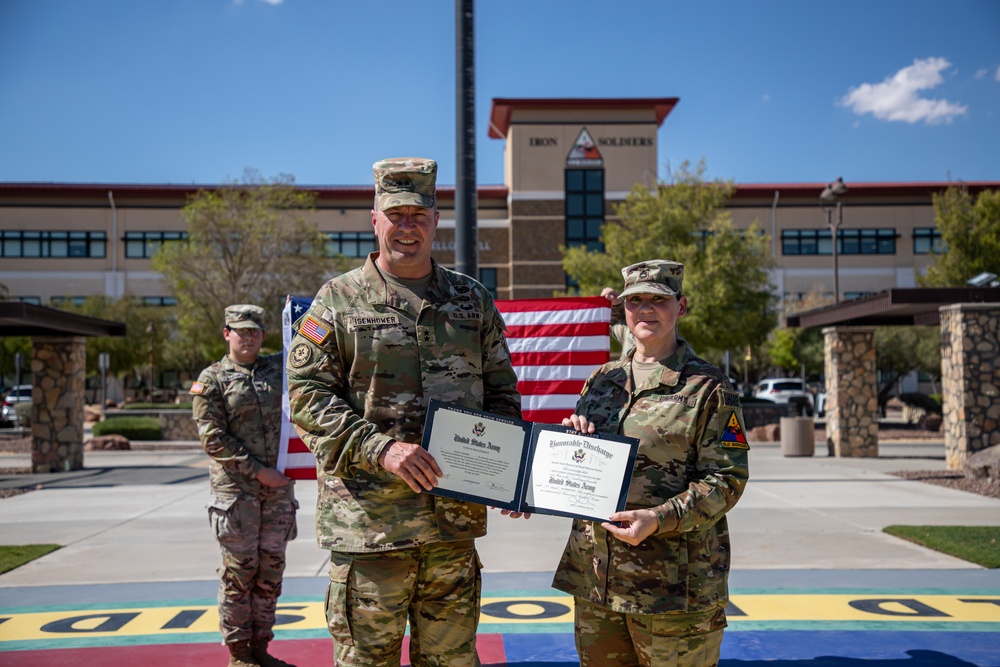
(584, 211)
(851, 296)
(927, 240)
(851, 242)
(143, 245)
(584, 208)
(33, 300)
(806, 242)
(53, 244)
(350, 244)
(867, 242)
(488, 277)
(159, 301)
(63, 300)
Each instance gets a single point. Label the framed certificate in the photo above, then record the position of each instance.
(517, 465)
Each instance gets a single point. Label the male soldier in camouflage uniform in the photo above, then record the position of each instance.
(375, 346)
(237, 403)
(652, 587)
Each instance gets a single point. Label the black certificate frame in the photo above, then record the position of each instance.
(432, 409)
(632, 443)
(532, 432)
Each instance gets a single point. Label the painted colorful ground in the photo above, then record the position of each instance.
(804, 628)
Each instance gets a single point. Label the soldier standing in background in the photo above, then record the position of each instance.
(375, 346)
(237, 404)
(651, 583)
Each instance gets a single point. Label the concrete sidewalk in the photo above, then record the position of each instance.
(815, 582)
(139, 516)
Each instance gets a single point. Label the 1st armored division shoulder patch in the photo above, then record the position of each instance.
(733, 436)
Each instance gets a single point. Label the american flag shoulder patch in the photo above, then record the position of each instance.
(197, 388)
(314, 330)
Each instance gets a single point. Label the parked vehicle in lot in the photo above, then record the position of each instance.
(20, 393)
(786, 390)
(821, 404)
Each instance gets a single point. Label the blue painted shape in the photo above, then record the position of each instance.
(860, 649)
(538, 650)
(799, 649)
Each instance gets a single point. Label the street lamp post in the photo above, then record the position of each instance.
(831, 194)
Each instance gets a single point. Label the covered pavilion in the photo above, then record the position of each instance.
(58, 368)
(969, 318)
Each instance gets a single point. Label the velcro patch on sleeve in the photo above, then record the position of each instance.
(733, 435)
(197, 388)
(314, 330)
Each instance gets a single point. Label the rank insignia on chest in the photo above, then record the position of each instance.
(314, 330)
(733, 436)
(197, 388)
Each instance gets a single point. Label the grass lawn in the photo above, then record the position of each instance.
(976, 544)
(11, 557)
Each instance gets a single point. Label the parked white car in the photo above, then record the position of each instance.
(786, 390)
(20, 393)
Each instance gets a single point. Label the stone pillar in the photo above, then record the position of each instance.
(851, 391)
(58, 368)
(970, 379)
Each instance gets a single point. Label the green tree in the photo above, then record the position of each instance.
(730, 300)
(128, 356)
(782, 349)
(248, 242)
(971, 233)
(10, 347)
(899, 350)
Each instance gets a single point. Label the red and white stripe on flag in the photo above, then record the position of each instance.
(294, 458)
(555, 344)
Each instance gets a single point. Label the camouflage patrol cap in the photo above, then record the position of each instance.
(404, 181)
(654, 276)
(245, 316)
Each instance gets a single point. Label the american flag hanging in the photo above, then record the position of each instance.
(555, 345)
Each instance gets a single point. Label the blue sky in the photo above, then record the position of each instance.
(195, 91)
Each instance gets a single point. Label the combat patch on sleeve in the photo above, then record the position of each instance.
(733, 436)
(314, 330)
(197, 388)
(299, 356)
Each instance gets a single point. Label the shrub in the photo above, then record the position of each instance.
(133, 428)
(922, 401)
(23, 412)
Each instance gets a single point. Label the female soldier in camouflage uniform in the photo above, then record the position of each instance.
(237, 404)
(651, 583)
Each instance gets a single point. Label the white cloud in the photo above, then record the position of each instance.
(273, 2)
(997, 76)
(980, 73)
(898, 98)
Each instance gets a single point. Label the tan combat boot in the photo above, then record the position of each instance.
(265, 659)
(241, 655)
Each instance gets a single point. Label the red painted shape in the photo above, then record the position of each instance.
(295, 651)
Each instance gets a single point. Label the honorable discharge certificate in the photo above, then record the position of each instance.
(517, 465)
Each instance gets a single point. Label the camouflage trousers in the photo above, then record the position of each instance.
(372, 595)
(605, 637)
(253, 532)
